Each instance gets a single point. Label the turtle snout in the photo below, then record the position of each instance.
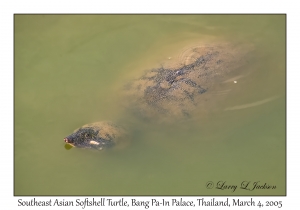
(67, 140)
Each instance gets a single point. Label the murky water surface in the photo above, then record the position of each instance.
(69, 71)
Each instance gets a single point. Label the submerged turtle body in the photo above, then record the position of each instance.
(174, 90)
(169, 93)
(98, 135)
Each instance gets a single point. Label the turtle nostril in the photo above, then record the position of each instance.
(66, 140)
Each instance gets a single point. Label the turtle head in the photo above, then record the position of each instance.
(88, 137)
(83, 137)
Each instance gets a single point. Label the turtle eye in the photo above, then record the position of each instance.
(87, 135)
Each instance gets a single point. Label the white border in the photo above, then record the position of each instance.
(8, 8)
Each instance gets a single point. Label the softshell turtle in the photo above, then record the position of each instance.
(168, 93)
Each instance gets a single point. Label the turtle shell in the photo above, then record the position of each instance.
(176, 88)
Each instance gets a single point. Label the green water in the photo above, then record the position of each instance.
(67, 73)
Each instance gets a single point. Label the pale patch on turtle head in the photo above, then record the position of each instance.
(94, 142)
